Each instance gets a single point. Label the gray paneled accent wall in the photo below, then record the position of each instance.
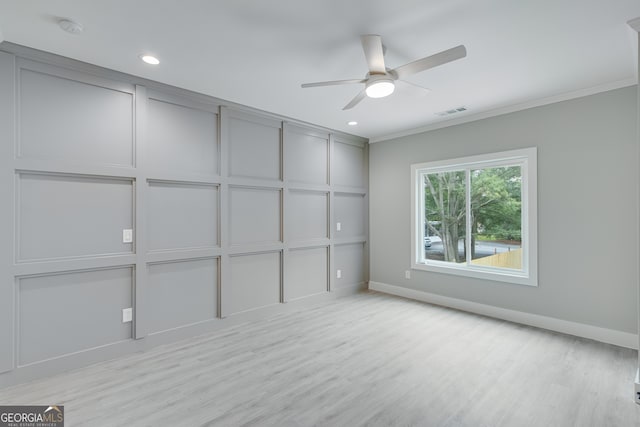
(309, 211)
(349, 211)
(307, 272)
(255, 216)
(7, 229)
(182, 137)
(193, 283)
(307, 156)
(67, 215)
(49, 119)
(55, 310)
(182, 215)
(121, 193)
(255, 281)
(350, 260)
(255, 150)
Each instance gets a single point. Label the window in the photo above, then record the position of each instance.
(476, 216)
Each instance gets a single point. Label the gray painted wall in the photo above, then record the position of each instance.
(587, 208)
(233, 213)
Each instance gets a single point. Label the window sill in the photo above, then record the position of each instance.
(477, 273)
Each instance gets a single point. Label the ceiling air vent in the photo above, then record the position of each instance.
(452, 111)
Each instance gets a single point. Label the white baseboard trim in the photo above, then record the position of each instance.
(609, 336)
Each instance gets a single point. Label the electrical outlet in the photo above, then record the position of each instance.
(338, 226)
(637, 388)
(407, 274)
(127, 315)
(339, 274)
(127, 235)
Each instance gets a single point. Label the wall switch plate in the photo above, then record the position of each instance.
(127, 235)
(338, 226)
(339, 274)
(407, 274)
(127, 315)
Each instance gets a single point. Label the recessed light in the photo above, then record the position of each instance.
(152, 60)
(70, 26)
(352, 123)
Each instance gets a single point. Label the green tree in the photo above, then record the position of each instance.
(496, 202)
(495, 206)
(445, 209)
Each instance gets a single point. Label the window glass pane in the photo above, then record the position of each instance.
(496, 217)
(445, 223)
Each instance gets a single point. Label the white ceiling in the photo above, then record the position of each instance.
(258, 52)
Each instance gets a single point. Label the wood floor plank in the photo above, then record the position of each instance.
(364, 360)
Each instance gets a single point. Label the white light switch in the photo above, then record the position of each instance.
(339, 274)
(407, 274)
(338, 226)
(127, 315)
(127, 235)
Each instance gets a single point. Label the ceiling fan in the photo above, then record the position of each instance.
(379, 81)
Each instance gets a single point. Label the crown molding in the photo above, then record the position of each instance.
(510, 109)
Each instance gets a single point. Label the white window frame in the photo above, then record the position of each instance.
(525, 158)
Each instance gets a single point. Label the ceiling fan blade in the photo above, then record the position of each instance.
(334, 82)
(430, 61)
(426, 90)
(372, 46)
(355, 101)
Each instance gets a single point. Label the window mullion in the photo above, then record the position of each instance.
(423, 218)
(468, 239)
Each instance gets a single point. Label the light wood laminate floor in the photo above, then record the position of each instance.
(368, 359)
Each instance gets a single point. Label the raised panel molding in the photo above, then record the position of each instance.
(307, 215)
(350, 213)
(255, 215)
(254, 146)
(182, 293)
(350, 260)
(181, 138)
(306, 155)
(255, 281)
(348, 168)
(75, 122)
(49, 307)
(65, 216)
(7, 208)
(307, 272)
(230, 209)
(182, 216)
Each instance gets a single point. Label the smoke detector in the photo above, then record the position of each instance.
(70, 26)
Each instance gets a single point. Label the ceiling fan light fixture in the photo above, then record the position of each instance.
(380, 88)
(379, 81)
(150, 59)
